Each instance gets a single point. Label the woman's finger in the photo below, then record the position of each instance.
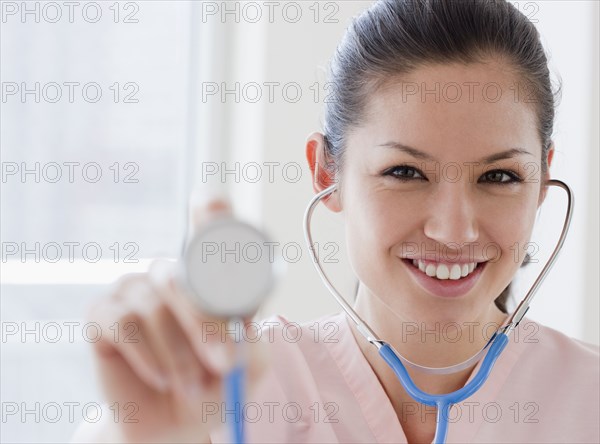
(203, 332)
(124, 332)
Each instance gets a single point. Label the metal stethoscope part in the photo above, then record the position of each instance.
(397, 362)
(228, 270)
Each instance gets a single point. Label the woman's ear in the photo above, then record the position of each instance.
(546, 176)
(323, 172)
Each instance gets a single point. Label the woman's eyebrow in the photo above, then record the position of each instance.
(486, 160)
(505, 155)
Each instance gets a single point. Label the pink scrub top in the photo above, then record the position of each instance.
(319, 387)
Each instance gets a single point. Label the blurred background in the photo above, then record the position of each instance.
(114, 113)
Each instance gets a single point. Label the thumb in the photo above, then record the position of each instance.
(205, 208)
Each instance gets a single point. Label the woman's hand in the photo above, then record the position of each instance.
(164, 363)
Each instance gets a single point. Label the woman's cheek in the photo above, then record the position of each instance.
(516, 238)
(507, 251)
(368, 249)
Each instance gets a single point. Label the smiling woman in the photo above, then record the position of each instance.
(448, 185)
(439, 137)
(467, 137)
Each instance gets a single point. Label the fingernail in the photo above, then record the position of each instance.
(210, 200)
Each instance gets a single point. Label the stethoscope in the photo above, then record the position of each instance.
(496, 344)
(228, 269)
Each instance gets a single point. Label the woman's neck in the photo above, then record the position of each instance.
(424, 345)
(431, 344)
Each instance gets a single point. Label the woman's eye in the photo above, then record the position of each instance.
(404, 172)
(501, 177)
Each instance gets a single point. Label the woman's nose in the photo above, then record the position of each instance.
(452, 217)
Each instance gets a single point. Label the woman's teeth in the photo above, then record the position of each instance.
(443, 272)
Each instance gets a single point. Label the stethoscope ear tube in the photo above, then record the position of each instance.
(523, 307)
(362, 326)
(494, 347)
(511, 322)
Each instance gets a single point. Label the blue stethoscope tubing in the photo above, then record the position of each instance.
(234, 388)
(494, 346)
(234, 384)
(444, 402)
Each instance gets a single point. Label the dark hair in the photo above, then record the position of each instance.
(394, 37)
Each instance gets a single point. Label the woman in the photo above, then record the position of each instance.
(438, 135)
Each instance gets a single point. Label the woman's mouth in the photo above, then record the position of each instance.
(445, 279)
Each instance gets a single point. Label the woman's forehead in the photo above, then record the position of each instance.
(470, 107)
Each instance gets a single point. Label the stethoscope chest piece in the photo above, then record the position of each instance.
(229, 268)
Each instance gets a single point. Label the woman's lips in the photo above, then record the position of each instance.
(447, 288)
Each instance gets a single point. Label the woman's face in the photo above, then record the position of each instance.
(448, 197)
